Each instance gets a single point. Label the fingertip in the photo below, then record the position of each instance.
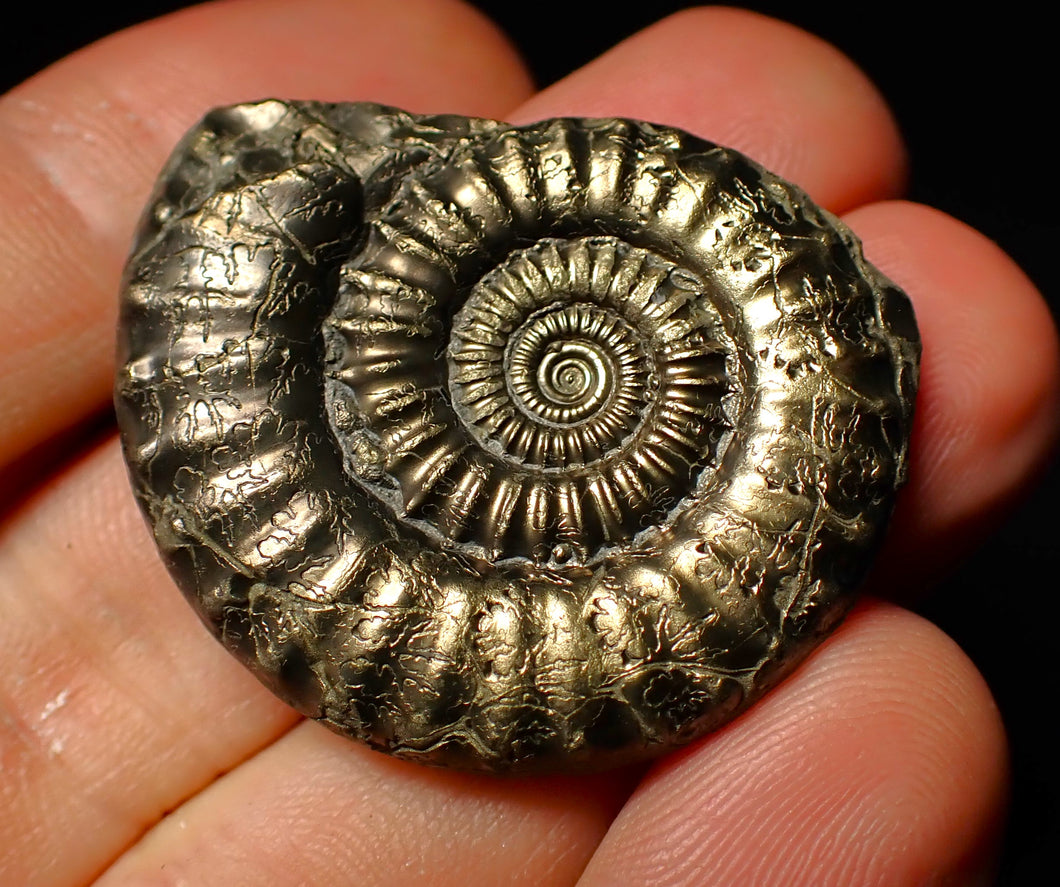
(786, 98)
(881, 761)
(101, 121)
(989, 401)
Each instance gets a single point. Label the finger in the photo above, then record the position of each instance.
(787, 99)
(315, 809)
(115, 702)
(882, 761)
(989, 402)
(82, 142)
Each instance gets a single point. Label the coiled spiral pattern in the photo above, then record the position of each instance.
(506, 448)
(585, 385)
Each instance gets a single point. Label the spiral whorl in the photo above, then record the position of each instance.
(584, 388)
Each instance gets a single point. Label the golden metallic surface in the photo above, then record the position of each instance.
(510, 448)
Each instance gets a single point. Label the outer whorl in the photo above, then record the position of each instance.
(508, 448)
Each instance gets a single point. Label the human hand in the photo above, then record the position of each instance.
(880, 761)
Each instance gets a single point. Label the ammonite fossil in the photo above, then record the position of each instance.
(507, 447)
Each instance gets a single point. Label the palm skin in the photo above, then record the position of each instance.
(134, 751)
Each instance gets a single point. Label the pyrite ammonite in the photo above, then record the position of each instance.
(507, 447)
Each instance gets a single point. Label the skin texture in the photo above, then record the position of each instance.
(134, 751)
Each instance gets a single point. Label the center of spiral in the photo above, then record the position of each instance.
(567, 378)
(558, 373)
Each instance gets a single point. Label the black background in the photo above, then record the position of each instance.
(975, 96)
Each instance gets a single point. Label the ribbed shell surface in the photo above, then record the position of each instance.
(510, 448)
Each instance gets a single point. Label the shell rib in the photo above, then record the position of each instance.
(510, 448)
